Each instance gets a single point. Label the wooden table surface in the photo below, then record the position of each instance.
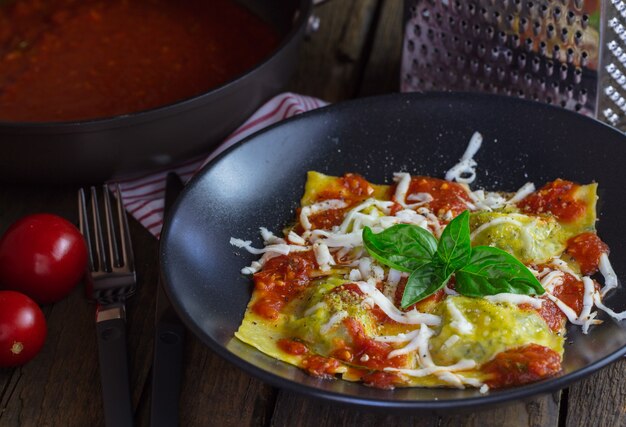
(355, 53)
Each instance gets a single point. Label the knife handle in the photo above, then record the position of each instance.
(167, 373)
(111, 329)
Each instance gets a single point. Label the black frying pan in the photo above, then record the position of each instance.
(95, 150)
(259, 183)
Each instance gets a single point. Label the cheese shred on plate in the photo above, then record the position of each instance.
(323, 303)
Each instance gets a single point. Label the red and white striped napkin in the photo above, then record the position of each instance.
(144, 196)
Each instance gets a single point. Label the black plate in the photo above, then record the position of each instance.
(259, 183)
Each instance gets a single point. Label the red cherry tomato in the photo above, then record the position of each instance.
(22, 329)
(43, 256)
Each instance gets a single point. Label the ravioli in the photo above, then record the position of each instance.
(321, 302)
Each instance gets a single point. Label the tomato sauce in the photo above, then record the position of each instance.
(68, 60)
(586, 249)
(557, 198)
(366, 351)
(352, 189)
(571, 292)
(282, 279)
(319, 366)
(522, 366)
(383, 380)
(447, 196)
(292, 346)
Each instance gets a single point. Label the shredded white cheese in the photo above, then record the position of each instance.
(334, 319)
(412, 317)
(317, 208)
(598, 301)
(494, 222)
(459, 322)
(610, 278)
(515, 299)
(323, 256)
(465, 170)
(522, 193)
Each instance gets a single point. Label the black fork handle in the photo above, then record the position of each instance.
(118, 411)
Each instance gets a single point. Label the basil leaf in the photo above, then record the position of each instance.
(492, 271)
(424, 282)
(404, 247)
(454, 248)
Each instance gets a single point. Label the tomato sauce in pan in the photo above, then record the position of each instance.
(67, 60)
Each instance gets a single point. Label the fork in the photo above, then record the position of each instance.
(111, 282)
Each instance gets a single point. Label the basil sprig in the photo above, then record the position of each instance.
(479, 271)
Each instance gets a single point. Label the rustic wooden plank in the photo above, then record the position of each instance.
(217, 393)
(382, 71)
(331, 60)
(542, 411)
(599, 400)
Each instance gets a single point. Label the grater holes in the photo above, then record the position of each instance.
(535, 64)
(509, 21)
(548, 100)
(550, 30)
(549, 68)
(500, 73)
(537, 28)
(410, 45)
(490, 32)
(497, 17)
(578, 107)
(417, 30)
(425, 14)
(529, 43)
(485, 14)
(508, 57)
(569, 55)
(469, 46)
(528, 79)
(584, 58)
(556, 12)
(543, 10)
(564, 34)
(542, 48)
(578, 73)
(521, 61)
(515, 41)
(487, 69)
(523, 23)
(563, 72)
(481, 50)
(584, 21)
(556, 52)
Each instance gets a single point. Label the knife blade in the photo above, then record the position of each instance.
(168, 341)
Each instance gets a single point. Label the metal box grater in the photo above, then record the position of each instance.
(570, 53)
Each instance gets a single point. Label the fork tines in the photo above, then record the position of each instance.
(111, 260)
